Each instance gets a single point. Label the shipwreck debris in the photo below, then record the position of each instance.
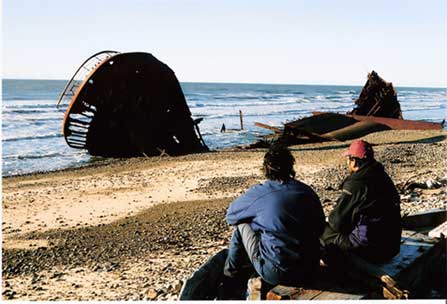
(128, 104)
(224, 129)
(377, 98)
(377, 109)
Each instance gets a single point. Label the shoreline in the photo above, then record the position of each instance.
(168, 213)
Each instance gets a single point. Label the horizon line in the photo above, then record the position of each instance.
(259, 83)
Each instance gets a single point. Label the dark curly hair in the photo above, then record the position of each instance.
(278, 163)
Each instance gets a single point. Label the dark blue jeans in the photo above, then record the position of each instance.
(244, 258)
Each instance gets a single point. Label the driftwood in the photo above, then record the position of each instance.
(128, 104)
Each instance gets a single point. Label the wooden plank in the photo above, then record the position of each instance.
(330, 295)
(281, 292)
(440, 231)
(264, 126)
(403, 275)
(307, 294)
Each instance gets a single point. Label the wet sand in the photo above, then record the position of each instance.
(136, 228)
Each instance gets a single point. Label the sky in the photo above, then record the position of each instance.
(291, 42)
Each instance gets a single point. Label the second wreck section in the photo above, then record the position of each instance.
(128, 104)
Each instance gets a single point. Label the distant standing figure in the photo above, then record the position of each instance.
(366, 220)
(277, 226)
(223, 129)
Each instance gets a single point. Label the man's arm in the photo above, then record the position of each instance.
(340, 219)
(242, 209)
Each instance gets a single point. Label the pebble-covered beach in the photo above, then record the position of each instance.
(135, 229)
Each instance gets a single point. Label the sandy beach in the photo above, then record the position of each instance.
(137, 228)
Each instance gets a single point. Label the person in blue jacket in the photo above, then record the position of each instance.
(277, 226)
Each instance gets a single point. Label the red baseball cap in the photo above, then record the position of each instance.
(360, 149)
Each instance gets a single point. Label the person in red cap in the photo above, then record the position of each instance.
(366, 220)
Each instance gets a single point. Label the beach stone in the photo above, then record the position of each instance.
(151, 294)
(177, 286)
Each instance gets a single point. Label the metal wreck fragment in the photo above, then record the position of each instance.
(128, 104)
(377, 109)
(377, 98)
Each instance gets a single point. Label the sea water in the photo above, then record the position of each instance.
(32, 137)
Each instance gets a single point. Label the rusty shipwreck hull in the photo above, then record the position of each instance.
(395, 124)
(128, 104)
(376, 109)
(326, 126)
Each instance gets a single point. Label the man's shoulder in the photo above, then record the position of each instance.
(302, 186)
(352, 185)
(272, 187)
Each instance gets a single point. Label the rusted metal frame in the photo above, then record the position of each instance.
(394, 123)
(71, 140)
(311, 135)
(196, 127)
(77, 138)
(74, 98)
(77, 146)
(77, 71)
(400, 124)
(78, 124)
(85, 112)
(75, 120)
(76, 141)
(80, 143)
(375, 108)
(83, 129)
(79, 135)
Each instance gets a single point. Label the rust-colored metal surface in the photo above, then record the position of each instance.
(377, 109)
(395, 124)
(128, 104)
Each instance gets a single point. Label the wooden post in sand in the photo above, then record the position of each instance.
(242, 122)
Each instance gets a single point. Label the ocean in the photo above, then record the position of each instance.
(32, 138)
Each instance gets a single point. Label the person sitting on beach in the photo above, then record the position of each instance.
(366, 220)
(277, 227)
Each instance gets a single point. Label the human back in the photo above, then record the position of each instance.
(377, 214)
(287, 216)
(366, 220)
